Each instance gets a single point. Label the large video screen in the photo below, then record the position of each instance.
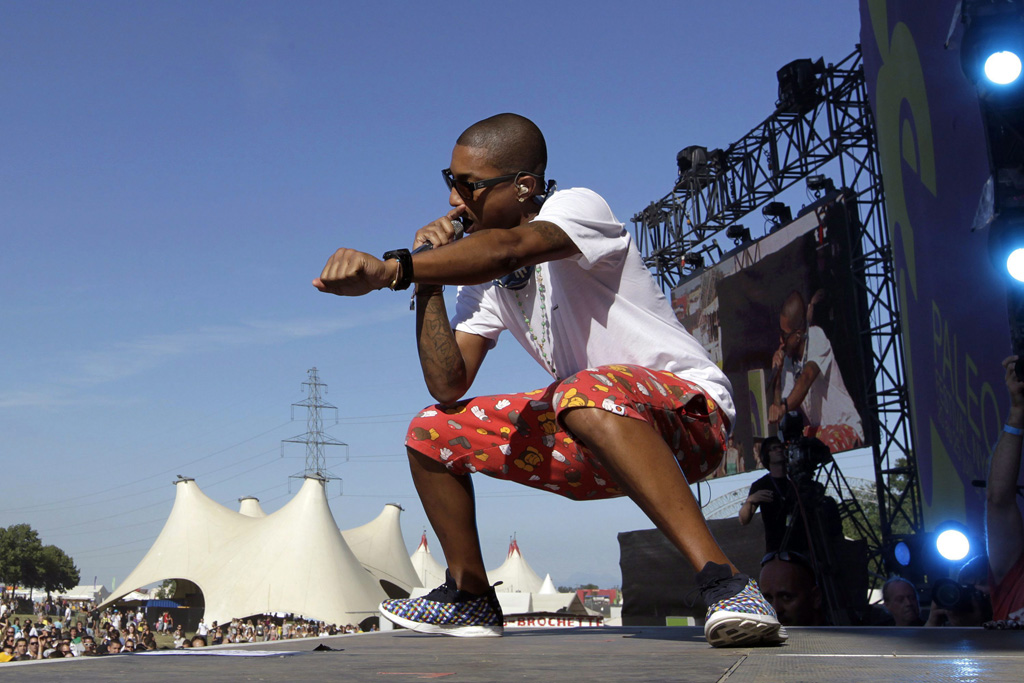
(780, 317)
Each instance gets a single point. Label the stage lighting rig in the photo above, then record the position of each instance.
(738, 234)
(820, 183)
(991, 49)
(992, 46)
(778, 212)
(800, 85)
(718, 161)
(692, 159)
(928, 556)
(693, 260)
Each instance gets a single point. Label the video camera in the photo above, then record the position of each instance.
(958, 597)
(804, 455)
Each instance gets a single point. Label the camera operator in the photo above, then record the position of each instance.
(790, 491)
(778, 499)
(1004, 527)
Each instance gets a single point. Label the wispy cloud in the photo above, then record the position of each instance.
(127, 358)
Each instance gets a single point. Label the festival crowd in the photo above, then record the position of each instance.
(49, 636)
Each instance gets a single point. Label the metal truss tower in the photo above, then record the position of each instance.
(834, 132)
(315, 438)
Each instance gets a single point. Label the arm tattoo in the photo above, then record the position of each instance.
(440, 357)
(552, 235)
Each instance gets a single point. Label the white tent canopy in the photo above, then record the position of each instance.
(294, 560)
(379, 546)
(428, 570)
(515, 574)
(250, 507)
(83, 591)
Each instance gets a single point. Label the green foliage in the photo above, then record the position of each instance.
(167, 589)
(573, 589)
(24, 561)
(57, 571)
(20, 555)
(867, 497)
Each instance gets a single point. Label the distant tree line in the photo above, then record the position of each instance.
(573, 589)
(25, 561)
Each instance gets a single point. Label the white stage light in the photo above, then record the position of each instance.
(1003, 68)
(1015, 264)
(953, 545)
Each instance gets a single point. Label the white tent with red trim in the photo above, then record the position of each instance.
(428, 570)
(515, 573)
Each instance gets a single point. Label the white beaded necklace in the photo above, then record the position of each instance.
(545, 325)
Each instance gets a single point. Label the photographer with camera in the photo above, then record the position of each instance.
(1004, 527)
(965, 601)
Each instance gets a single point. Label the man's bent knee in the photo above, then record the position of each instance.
(591, 424)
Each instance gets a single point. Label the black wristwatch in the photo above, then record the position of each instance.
(404, 278)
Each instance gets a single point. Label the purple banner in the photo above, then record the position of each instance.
(934, 164)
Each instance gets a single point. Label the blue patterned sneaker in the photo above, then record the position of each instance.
(738, 615)
(449, 611)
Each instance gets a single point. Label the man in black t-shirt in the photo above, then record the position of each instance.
(777, 497)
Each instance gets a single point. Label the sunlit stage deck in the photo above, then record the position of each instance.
(591, 654)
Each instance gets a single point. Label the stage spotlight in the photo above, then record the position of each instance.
(694, 260)
(1006, 243)
(992, 45)
(693, 158)
(1003, 68)
(779, 211)
(904, 556)
(739, 234)
(718, 160)
(1015, 264)
(901, 553)
(952, 542)
(819, 183)
(799, 85)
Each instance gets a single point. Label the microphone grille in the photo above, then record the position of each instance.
(459, 227)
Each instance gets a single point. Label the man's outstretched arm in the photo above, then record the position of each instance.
(479, 258)
(1003, 524)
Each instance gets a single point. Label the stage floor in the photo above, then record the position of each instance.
(594, 654)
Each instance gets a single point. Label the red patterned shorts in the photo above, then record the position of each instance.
(521, 436)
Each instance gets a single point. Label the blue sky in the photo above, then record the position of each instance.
(174, 174)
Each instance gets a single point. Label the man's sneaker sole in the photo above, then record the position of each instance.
(459, 630)
(737, 629)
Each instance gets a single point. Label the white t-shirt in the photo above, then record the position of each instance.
(599, 307)
(827, 402)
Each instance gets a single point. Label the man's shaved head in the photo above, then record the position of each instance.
(513, 143)
(794, 310)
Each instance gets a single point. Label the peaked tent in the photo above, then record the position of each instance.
(292, 561)
(379, 546)
(515, 573)
(548, 588)
(568, 603)
(428, 570)
(250, 507)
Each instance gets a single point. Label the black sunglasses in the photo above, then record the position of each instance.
(788, 556)
(466, 188)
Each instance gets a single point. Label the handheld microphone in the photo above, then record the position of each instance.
(427, 246)
(459, 229)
